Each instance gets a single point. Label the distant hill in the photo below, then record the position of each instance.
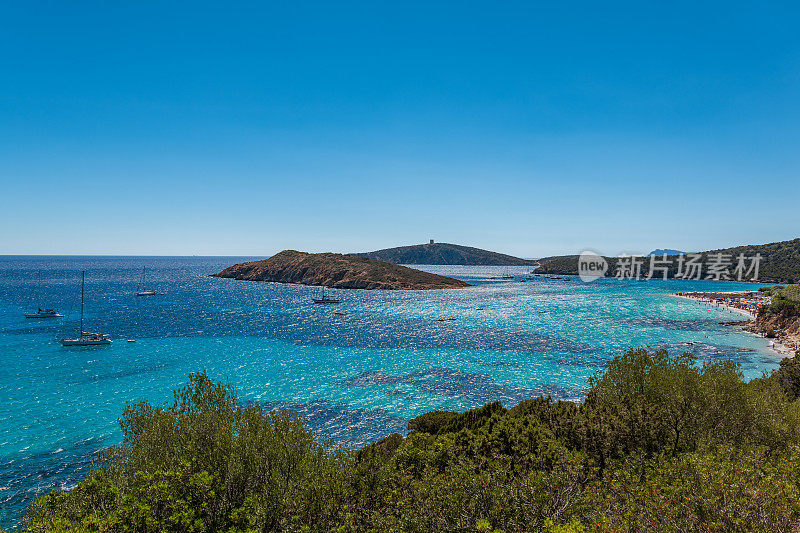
(668, 251)
(780, 261)
(442, 253)
(340, 272)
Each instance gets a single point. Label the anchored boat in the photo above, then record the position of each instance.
(325, 299)
(142, 291)
(86, 338)
(44, 313)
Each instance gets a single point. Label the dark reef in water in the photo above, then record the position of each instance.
(468, 386)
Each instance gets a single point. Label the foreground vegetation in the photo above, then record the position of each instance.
(659, 444)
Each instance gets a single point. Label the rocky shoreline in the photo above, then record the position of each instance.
(782, 328)
(337, 271)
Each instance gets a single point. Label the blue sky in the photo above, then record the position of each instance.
(532, 128)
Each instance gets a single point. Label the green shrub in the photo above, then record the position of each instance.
(206, 463)
(660, 444)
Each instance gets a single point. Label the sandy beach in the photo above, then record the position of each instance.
(775, 345)
(748, 314)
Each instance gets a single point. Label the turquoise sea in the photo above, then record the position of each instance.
(356, 377)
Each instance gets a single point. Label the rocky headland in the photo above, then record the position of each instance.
(337, 271)
(783, 326)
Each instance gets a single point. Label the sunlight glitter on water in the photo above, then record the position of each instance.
(356, 377)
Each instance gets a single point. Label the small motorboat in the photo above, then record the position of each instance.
(44, 313)
(145, 293)
(131, 340)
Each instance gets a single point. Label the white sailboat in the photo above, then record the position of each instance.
(325, 299)
(86, 338)
(142, 291)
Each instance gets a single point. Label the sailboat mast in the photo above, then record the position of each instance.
(323, 281)
(83, 282)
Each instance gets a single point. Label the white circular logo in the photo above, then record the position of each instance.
(591, 266)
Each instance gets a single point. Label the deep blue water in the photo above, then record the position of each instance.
(356, 377)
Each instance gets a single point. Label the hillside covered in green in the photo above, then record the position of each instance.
(780, 262)
(441, 253)
(660, 443)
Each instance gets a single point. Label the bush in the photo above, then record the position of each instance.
(660, 443)
(206, 463)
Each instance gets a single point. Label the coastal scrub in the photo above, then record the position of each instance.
(661, 443)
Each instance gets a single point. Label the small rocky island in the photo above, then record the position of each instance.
(340, 272)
